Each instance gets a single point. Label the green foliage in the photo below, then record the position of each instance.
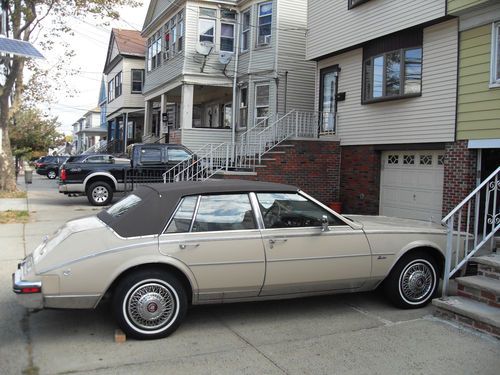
(31, 130)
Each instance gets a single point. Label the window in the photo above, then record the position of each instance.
(99, 159)
(151, 155)
(154, 51)
(227, 37)
(207, 30)
(245, 31)
(118, 84)
(290, 210)
(166, 41)
(111, 90)
(177, 154)
(355, 3)
(393, 74)
(137, 80)
(180, 31)
(182, 219)
(243, 107)
(228, 14)
(121, 207)
(495, 55)
(261, 102)
(264, 24)
(173, 36)
(208, 12)
(224, 212)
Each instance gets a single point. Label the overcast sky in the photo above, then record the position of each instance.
(90, 44)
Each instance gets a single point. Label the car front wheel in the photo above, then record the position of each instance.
(99, 193)
(149, 304)
(51, 174)
(413, 281)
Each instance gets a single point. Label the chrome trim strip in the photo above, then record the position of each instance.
(234, 236)
(18, 284)
(254, 202)
(226, 263)
(172, 217)
(94, 255)
(195, 213)
(433, 232)
(318, 258)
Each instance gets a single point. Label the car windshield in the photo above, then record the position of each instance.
(121, 207)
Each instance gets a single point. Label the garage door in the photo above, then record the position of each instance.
(411, 184)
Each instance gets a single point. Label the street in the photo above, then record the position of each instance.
(343, 334)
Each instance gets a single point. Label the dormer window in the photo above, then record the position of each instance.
(265, 20)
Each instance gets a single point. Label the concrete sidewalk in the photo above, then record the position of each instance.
(343, 334)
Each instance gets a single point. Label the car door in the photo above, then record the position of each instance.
(301, 255)
(216, 236)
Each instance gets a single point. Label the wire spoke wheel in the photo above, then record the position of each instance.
(417, 281)
(150, 306)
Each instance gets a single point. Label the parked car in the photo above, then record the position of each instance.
(167, 246)
(99, 176)
(49, 165)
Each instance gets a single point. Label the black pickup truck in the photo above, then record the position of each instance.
(98, 176)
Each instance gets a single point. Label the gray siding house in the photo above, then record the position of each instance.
(388, 73)
(215, 69)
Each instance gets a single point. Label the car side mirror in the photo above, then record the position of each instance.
(325, 226)
(112, 160)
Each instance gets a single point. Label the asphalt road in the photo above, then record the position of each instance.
(343, 334)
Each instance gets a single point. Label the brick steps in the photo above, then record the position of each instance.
(477, 303)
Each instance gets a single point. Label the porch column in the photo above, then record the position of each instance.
(187, 106)
(163, 109)
(148, 118)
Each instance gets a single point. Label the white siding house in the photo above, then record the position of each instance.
(189, 96)
(388, 72)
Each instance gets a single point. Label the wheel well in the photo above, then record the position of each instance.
(105, 179)
(436, 254)
(155, 266)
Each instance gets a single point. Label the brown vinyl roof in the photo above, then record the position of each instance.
(130, 42)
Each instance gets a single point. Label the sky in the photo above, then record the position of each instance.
(90, 44)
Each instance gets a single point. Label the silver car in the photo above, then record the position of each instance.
(168, 246)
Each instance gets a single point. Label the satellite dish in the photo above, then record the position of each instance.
(225, 57)
(204, 48)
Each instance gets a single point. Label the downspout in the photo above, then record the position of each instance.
(125, 132)
(235, 85)
(276, 55)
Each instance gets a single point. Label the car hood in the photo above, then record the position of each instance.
(385, 223)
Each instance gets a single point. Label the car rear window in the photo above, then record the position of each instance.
(121, 207)
(75, 159)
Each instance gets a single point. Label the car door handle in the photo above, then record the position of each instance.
(274, 241)
(184, 246)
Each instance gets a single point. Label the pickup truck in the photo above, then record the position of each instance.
(99, 176)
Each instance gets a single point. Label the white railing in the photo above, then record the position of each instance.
(471, 225)
(247, 152)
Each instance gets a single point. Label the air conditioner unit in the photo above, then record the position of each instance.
(267, 39)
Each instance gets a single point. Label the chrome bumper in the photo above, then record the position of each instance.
(29, 300)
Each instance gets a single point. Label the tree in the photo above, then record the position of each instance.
(32, 131)
(24, 22)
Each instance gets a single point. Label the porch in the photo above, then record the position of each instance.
(119, 135)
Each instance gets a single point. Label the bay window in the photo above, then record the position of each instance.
(393, 74)
(227, 37)
(245, 30)
(207, 30)
(154, 51)
(137, 80)
(180, 30)
(265, 20)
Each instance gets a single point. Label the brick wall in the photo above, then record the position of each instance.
(313, 166)
(459, 174)
(174, 137)
(360, 180)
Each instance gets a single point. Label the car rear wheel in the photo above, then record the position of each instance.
(413, 281)
(149, 304)
(52, 174)
(99, 193)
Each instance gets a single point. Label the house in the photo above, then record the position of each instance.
(388, 74)
(478, 108)
(216, 69)
(88, 131)
(124, 80)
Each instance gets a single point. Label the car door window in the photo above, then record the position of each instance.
(151, 155)
(96, 159)
(224, 212)
(289, 210)
(177, 154)
(181, 222)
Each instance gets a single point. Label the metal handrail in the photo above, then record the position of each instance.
(199, 153)
(452, 212)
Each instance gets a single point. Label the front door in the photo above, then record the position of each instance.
(221, 245)
(328, 102)
(301, 257)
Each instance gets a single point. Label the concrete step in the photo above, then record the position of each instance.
(480, 288)
(285, 146)
(472, 313)
(275, 152)
(488, 265)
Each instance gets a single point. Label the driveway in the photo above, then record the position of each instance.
(343, 334)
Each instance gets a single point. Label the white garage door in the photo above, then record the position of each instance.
(411, 184)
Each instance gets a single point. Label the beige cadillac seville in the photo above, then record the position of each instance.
(165, 247)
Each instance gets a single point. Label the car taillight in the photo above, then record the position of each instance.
(63, 175)
(38, 165)
(31, 290)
